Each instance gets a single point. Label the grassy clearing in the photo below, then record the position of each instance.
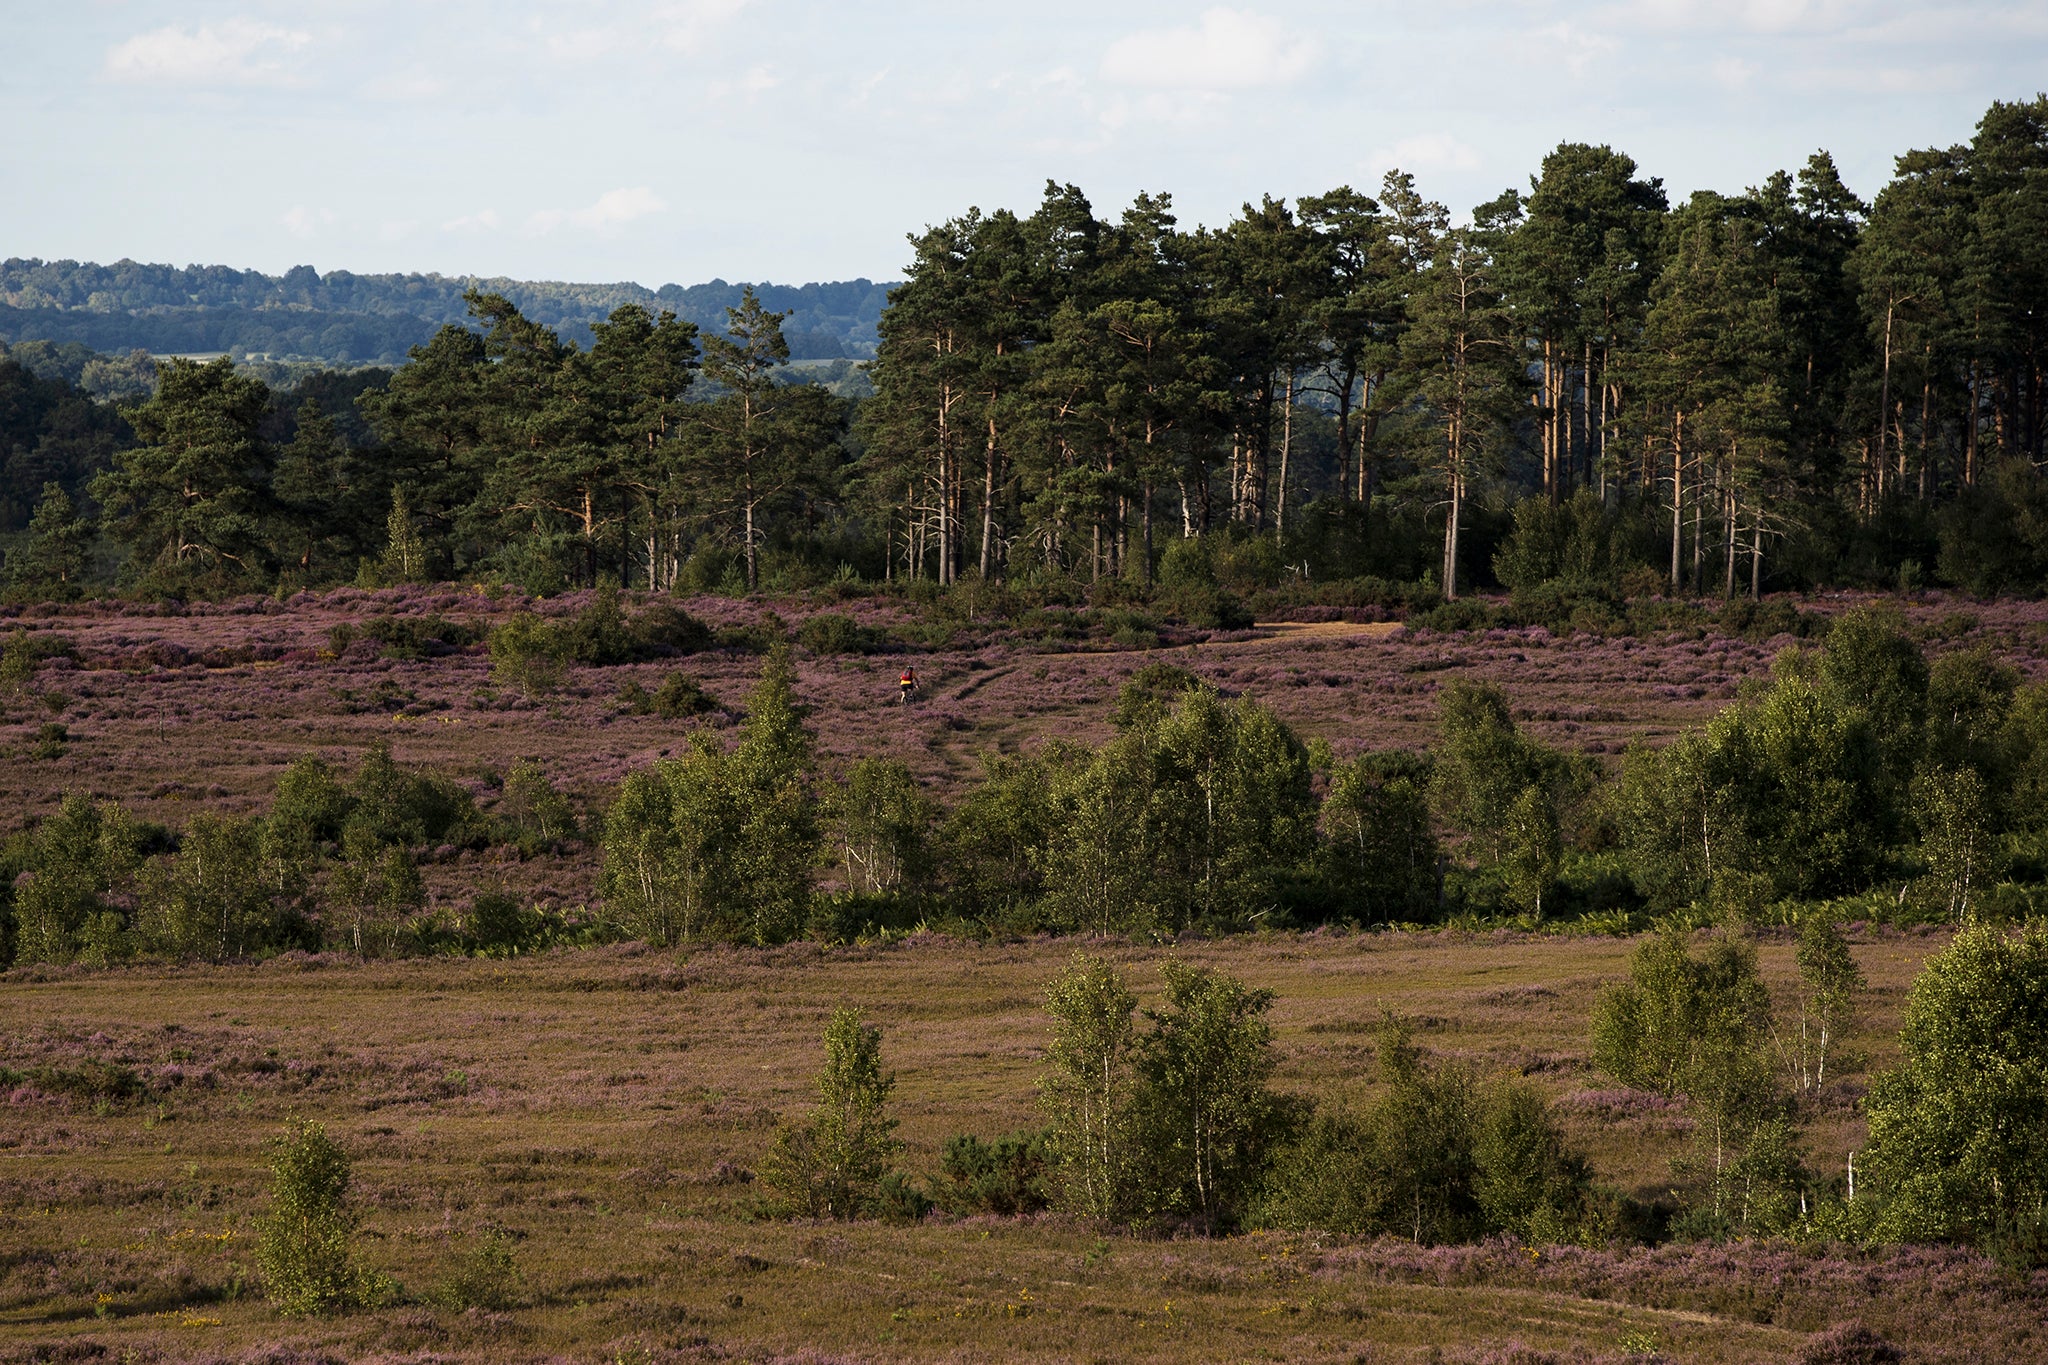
(606, 1108)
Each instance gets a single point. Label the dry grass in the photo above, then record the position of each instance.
(603, 1107)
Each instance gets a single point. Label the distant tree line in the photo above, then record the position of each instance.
(1583, 392)
(344, 318)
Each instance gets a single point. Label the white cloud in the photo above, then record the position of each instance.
(237, 52)
(1428, 152)
(1227, 50)
(1576, 47)
(484, 221)
(685, 26)
(758, 80)
(612, 208)
(302, 221)
(688, 24)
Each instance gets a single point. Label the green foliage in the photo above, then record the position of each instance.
(991, 839)
(1780, 797)
(1573, 541)
(1007, 1176)
(539, 816)
(1872, 665)
(832, 1164)
(188, 499)
(832, 633)
(1379, 852)
(211, 901)
(1484, 765)
(1201, 1105)
(396, 804)
(1829, 982)
(1086, 1091)
(84, 861)
(499, 924)
(485, 1274)
(1698, 1027)
(1534, 848)
(527, 653)
(1144, 700)
(885, 826)
(305, 1248)
(1954, 813)
(718, 844)
(1437, 1158)
(57, 555)
(1959, 1128)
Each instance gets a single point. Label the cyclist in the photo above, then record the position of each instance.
(908, 683)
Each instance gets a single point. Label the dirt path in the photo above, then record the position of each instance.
(1290, 632)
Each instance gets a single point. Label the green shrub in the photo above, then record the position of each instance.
(1959, 1128)
(498, 923)
(305, 1247)
(832, 633)
(1201, 1105)
(680, 697)
(831, 1164)
(52, 738)
(1010, 1175)
(537, 816)
(485, 1275)
(666, 628)
(527, 653)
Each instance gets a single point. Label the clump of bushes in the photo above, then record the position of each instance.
(833, 633)
(407, 637)
(531, 653)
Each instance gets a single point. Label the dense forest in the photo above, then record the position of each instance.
(344, 318)
(1582, 391)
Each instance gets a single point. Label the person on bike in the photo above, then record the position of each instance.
(908, 683)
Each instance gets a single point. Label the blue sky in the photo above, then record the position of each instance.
(801, 139)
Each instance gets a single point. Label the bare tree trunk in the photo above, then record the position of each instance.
(1756, 556)
(1286, 450)
(1677, 493)
(988, 503)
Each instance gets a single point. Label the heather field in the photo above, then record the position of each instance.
(606, 1109)
(201, 707)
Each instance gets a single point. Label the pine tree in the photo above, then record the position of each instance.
(59, 549)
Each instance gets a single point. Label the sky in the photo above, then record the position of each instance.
(794, 140)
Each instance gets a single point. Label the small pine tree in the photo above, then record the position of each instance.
(305, 1248)
(59, 548)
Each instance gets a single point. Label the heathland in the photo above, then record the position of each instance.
(582, 1126)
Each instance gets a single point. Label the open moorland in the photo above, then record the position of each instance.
(607, 1108)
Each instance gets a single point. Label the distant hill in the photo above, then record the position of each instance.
(345, 319)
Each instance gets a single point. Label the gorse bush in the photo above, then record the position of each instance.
(305, 1247)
